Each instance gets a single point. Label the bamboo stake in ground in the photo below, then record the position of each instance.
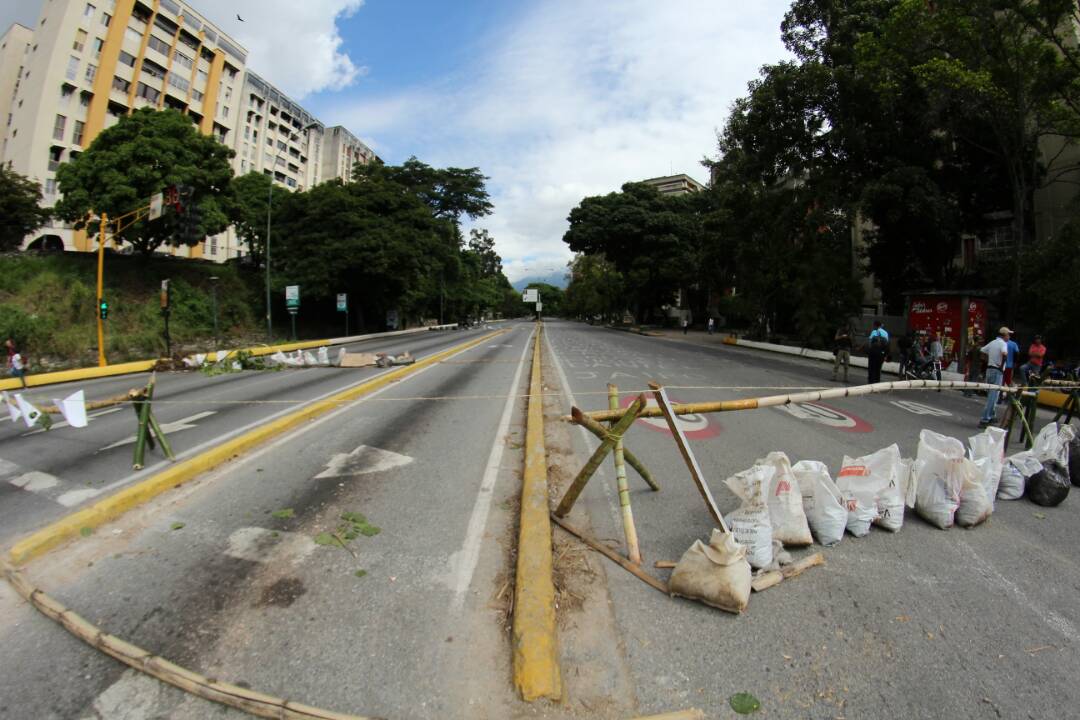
(142, 435)
(601, 432)
(688, 455)
(633, 552)
(160, 435)
(620, 428)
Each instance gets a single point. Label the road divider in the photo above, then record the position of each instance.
(86, 520)
(536, 657)
(140, 366)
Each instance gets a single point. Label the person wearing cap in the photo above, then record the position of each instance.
(937, 355)
(1036, 354)
(1010, 361)
(996, 352)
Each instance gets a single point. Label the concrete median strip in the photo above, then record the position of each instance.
(112, 507)
(536, 657)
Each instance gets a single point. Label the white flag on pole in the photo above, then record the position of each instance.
(30, 414)
(73, 408)
(13, 409)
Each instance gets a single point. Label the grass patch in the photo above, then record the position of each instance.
(352, 526)
(283, 514)
(177, 526)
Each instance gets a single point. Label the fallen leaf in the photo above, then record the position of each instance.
(1040, 516)
(930, 636)
(176, 526)
(86, 532)
(902, 618)
(282, 514)
(787, 657)
(360, 573)
(744, 703)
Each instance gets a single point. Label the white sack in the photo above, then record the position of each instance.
(1014, 474)
(784, 501)
(750, 523)
(875, 481)
(1049, 445)
(323, 357)
(939, 473)
(989, 446)
(828, 514)
(975, 504)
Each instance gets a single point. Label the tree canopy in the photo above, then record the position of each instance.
(143, 154)
(20, 208)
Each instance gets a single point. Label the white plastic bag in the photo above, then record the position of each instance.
(806, 473)
(875, 481)
(750, 523)
(988, 446)
(1050, 445)
(828, 513)
(939, 472)
(975, 504)
(860, 515)
(323, 357)
(1014, 474)
(784, 501)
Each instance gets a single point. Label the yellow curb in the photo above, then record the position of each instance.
(115, 505)
(536, 660)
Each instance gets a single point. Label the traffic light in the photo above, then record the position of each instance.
(103, 308)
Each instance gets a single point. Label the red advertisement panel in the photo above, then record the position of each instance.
(942, 315)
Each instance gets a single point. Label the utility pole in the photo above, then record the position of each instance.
(101, 291)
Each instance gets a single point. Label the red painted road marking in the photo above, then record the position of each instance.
(694, 426)
(828, 416)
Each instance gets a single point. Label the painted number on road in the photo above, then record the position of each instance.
(920, 409)
(695, 427)
(828, 416)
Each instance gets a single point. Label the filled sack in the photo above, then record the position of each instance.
(989, 446)
(716, 574)
(1014, 474)
(750, 522)
(828, 513)
(939, 472)
(1050, 486)
(805, 472)
(875, 481)
(784, 501)
(975, 503)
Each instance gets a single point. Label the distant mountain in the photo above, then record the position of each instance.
(557, 278)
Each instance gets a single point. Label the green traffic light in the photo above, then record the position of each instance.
(103, 308)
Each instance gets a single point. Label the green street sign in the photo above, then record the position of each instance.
(292, 296)
(343, 302)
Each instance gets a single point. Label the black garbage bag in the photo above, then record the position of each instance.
(1074, 460)
(1049, 486)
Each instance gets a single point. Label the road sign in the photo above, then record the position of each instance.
(539, 306)
(531, 295)
(292, 296)
(343, 302)
(157, 201)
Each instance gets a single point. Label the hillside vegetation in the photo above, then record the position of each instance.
(48, 304)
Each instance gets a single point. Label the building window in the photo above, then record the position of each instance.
(126, 59)
(58, 127)
(228, 93)
(121, 84)
(196, 95)
(182, 59)
(243, 166)
(84, 99)
(158, 44)
(203, 77)
(106, 18)
(247, 132)
(225, 111)
(133, 35)
(91, 71)
(55, 153)
(77, 135)
(50, 186)
(73, 68)
(89, 11)
(213, 245)
(98, 45)
(147, 92)
(178, 82)
(80, 40)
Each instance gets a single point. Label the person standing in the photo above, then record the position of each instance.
(841, 351)
(974, 362)
(1010, 361)
(997, 353)
(875, 354)
(712, 325)
(1036, 354)
(904, 343)
(685, 324)
(937, 356)
(15, 363)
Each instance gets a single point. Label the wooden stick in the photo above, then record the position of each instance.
(633, 551)
(776, 400)
(232, 695)
(687, 453)
(664, 564)
(612, 555)
(620, 428)
(94, 405)
(601, 432)
(774, 577)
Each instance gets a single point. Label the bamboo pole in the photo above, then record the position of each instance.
(160, 435)
(611, 555)
(775, 577)
(776, 400)
(143, 432)
(95, 405)
(688, 454)
(623, 424)
(601, 432)
(633, 551)
(142, 660)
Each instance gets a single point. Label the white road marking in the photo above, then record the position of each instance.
(269, 546)
(35, 481)
(463, 562)
(920, 409)
(997, 581)
(64, 423)
(135, 696)
(7, 468)
(362, 461)
(167, 428)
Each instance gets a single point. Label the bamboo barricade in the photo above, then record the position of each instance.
(1025, 408)
(1071, 407)
(601, 432)
(93, 405)
(148, 425)
(633, 552)
(142, 660)
(777, 400)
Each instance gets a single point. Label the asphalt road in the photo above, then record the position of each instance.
(45, 475)
(924, 623)
(230, 577)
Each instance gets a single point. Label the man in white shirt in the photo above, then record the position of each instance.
(996, 352)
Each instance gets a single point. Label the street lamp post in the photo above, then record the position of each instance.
(269, 203)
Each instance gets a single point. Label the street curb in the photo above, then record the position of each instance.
(536, 662)
(138, 366)
(131, 497)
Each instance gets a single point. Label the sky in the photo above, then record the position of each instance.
(554, 100)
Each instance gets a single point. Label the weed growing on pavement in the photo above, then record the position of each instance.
(360, 573)
(86, 532)
(282, 514)
(352, 526)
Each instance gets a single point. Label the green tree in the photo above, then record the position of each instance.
(247, 209)
(20, 208)
(1050, 302)
(449, 192)
(596, 288)
(551, 298)
(143, 154)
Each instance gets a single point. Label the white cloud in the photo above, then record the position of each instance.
(294, 45)
(575, 99)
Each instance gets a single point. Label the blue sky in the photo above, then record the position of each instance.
(553, 100)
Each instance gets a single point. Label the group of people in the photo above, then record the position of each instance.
(1002, 354)
(877, 348)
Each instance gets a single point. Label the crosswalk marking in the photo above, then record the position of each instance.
(35, 481)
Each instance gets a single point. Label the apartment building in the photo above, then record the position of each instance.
(341, 152)
(14, 47)
(675, 184)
